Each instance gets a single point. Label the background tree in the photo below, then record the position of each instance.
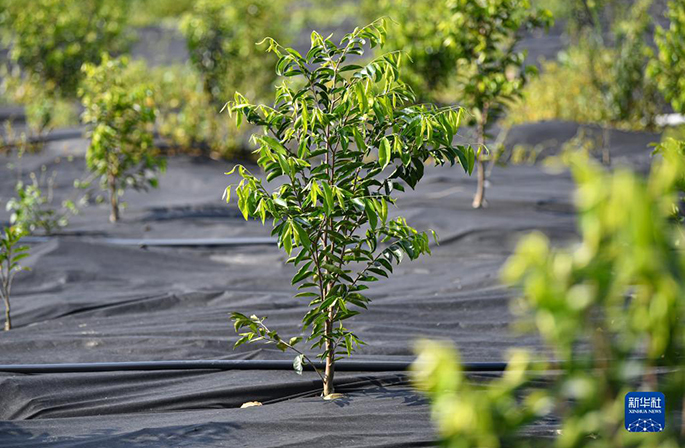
(49, 41)
(632, 89)
(121, 149)
(669, 67)
(221, 37)
(628, 93)
(10, 256)
(490, 71)
(344, 139)
(468, 47)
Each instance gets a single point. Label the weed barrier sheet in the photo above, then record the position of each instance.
(88, 301)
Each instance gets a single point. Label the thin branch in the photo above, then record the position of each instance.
(294, 349)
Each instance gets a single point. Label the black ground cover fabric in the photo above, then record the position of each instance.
(85, 301)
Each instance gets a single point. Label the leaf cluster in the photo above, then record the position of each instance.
(473, 415)
(11, 252)
(253, 329)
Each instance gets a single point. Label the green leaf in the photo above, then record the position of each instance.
(314, 192)
(305, 116)
(274, 144)
(383, 212)
(371, 214)
(302, 235)
(359, 140)
(287, 239)
(303, 273)
(329, 201)
(242, 340)
(384, 153)
(361, 97)
(471, 159)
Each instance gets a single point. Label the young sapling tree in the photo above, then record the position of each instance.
(490, 69)
(122, 115)
(10, 256)
(343, 139)
(469, 47)
(33, 209)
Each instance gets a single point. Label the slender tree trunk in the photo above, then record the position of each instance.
(330, 357)
(606, 149)
(479, 198)
(8, 319)
(113, 199)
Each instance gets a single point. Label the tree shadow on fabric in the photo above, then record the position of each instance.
(382, 388)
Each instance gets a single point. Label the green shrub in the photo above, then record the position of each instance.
(631, 94)
(32, 210)
(51, 39)
(222, 36)
(610, 309)
(44, 111)
(48, 42)
(596, 83)
(566, 90)
(121, 116)
(331, 211)
(186, 117)
(669, 67)
(472, 415)
(187, 120)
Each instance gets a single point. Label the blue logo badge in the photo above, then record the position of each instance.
(645, 412)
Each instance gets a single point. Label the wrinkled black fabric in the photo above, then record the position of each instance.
(85, 301)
